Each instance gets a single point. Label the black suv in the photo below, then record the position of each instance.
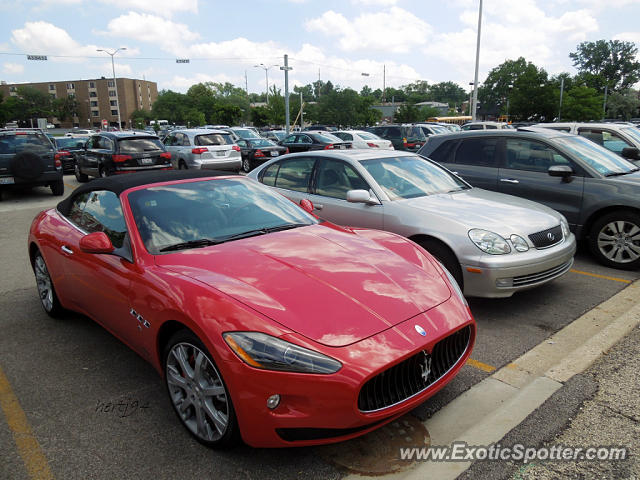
(28, 158)
(595, 189)
(403, 137)
(108, 153)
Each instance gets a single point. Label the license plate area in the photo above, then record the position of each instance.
(146, 161)
(220, 153)
(7, 181)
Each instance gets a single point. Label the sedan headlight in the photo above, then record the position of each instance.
(270, 353)
(565, 228)
(519, 243)
(489, 242)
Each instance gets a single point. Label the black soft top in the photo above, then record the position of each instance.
(119, 183)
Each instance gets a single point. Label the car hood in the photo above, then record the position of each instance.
(478, 208)
(330, 285)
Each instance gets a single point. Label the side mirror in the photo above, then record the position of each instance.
(563, 171)
(361, 196)
(630, 153)
(96, 242)
(307, 205)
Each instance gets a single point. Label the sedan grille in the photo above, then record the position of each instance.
(415, 374)
(534, 278)
(547, 238)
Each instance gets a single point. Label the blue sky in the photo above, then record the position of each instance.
(430, 40)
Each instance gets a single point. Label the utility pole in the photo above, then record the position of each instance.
(286, 69)
(246, 83)
(604, 105)
(318, 96)
(475, 80)
(301, 112)
(384, 81)
(561, 92)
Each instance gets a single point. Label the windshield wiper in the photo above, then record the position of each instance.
(199, 243)
(616, 174)
(262, 231)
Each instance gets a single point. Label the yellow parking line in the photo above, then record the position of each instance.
(70, 186)
(28, 447)
(589, 274)
(481, 366)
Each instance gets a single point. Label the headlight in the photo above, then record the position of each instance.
(270, 353)
(519, 243)
(565, 228)
(489, 242)
(455, 285)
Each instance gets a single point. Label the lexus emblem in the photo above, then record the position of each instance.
(551, 236)
(421, 330)
(425, 367)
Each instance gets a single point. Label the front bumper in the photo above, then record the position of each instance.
(321, 409)
(497, 276)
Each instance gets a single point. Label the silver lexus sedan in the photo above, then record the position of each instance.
(493, 244)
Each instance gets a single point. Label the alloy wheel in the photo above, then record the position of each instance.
(619, 241)
(246, 166)
(43, 281)
(197, 392)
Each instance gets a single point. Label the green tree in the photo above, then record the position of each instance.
(623, 105)
(428, 112)
(64, 108)
(582, 104)
(260, 116)
(172, 106)
(447, 92)
(140, 118)
(275, 106)
(407, 114)
(34, 104)
(612, 63)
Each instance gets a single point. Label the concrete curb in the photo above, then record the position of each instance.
(490, 409)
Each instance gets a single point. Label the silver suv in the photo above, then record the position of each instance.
(203, 148)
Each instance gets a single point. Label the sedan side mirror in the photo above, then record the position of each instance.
(563, 171)
(361, 196)
(96, 242)
(630, 153)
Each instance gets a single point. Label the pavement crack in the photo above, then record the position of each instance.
(618, 412)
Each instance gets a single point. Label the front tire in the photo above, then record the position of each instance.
(182, 165)
(446, 257)
(57, 188)
(246, 165)
(614, 239)
(80, 177)
(46, 291)
(198, 393)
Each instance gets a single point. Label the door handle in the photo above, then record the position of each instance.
(317, 206)
(66, 249)
(509, 180)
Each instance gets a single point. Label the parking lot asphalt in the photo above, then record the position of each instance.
(82, 392)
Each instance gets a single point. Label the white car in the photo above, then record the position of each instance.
(362, 139)
(78, 133)
(488, 125)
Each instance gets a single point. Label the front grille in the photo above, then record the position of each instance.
(407, 378)
(534, 278)
(547, 238)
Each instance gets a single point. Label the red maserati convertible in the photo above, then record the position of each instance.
(266, 323)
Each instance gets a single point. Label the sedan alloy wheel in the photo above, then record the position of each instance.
(246, 165)
(615, 239)
(197, 392)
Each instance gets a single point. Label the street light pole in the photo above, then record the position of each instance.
(115, 83)
(561, 92)
(508, 98)
(475, 80)
(286, 68)
(266, 76)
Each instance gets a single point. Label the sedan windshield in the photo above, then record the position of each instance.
(260, 142)
(411, 176)
(198, 214)
(325, 137)
(599, 158)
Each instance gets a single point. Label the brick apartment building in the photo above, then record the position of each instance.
(96, 99)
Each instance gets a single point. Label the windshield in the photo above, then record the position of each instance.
(599, 158)
(67, 143)
(368, 136)
(140, 145)
(415, 133)
(325, 137)
(245, 133)
(211, 209)
(214, 139)
(634, 133)
(411, 176)
(261, 142)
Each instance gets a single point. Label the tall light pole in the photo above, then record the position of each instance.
(475, 80)
(508, 98)
(115, 84)
(286, 68)
(266, 75)
(470, 96)
(561, 92)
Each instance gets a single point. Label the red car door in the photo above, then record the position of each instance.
(100, 284)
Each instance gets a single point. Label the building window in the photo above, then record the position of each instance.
(114, 112)
(52, 86)
(94, 103)
(93, 94)
(110, 84)
(112, 93)
(92, 84)
(114, 103)
(70, 86)
(95, 113)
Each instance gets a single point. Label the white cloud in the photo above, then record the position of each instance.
(165, 8)
(182, 83)
(168, 35)
(511, 30)
(367, 3)
(12, 68)
(628, 37)
(122, 69)
(46, 39)
(395, 30)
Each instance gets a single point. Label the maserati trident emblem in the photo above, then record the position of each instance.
(420, 330)
(551, 236)
(425, 367)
